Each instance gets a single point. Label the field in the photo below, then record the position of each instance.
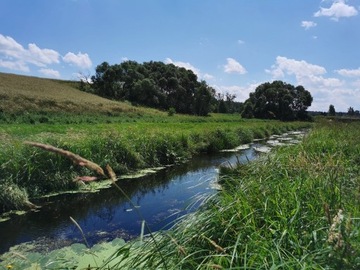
(21, 95)
(102, 131)
(297, 208)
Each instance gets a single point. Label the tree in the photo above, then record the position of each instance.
(202, 99)
(332, 111)
(351, 111)
(278, 100)
(154, 84)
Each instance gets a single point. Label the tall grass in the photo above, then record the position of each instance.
(126, 147)
(295, 209)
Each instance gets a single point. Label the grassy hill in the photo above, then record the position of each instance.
(31, 94)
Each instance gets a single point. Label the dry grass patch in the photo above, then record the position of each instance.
(19, 93)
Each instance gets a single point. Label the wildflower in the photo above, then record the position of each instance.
(9, 266)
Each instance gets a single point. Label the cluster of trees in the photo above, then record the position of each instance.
(169, 87)
(159, 85)
(350, 112)
(278, 100)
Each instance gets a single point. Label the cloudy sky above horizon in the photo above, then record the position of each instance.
(233, 45)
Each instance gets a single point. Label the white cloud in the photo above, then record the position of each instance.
(241, 42)
(184, 65)
(10, 48)
(50, 72)
(325, 90)
(349, 72)
(42, 57)
(16, 57)
(208, 76)
(233, 66)
(337, 10)
(294, 67)
(241, 92)
(308, 24)
(14, 65)
(81, 60)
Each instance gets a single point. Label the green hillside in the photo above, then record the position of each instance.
(31, 94)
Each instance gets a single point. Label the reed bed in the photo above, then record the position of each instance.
(297, 208)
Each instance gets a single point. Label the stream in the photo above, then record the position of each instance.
(159, 198)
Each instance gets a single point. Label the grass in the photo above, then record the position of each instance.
(24, 96)
(126, 147)
(295, 209)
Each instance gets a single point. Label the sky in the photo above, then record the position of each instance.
(234, 45)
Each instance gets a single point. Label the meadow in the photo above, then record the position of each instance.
(296, 208)
(106, 132)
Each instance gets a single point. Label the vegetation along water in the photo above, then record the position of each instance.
(296, 208)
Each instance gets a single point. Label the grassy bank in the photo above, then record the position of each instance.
(27, 172)
(295, 209)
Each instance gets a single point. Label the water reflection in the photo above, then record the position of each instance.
(160, 198)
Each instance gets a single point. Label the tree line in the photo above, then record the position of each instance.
(176, 89)
(159, 85)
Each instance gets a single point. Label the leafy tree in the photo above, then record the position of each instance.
(332, 111)
(248, 110)
(278, 100)
(351, 111)
(154, 84)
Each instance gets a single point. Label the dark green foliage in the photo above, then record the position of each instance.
(332, 111)
(278, 100)
(154, 84)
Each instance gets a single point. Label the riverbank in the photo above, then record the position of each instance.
(297, 208)
(28, 172)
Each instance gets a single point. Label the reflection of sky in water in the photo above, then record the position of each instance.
(159, 198)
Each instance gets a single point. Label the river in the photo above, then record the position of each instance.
(159, 198)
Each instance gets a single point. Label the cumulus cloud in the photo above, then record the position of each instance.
(50, 72)
(324, 89)
(241, 92)
(349, 72)
(16, 57)
(233, 66)
(208, 76)
(308, 24)
(305, 73)
(189, 66)
(337, 10)
(298, 68)
(81, 60)
(14, 65)
(184, 65)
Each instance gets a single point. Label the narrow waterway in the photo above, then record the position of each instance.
(159, 199)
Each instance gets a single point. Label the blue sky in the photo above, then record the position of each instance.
(234, 45)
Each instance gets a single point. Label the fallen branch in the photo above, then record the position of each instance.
(74, 157)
